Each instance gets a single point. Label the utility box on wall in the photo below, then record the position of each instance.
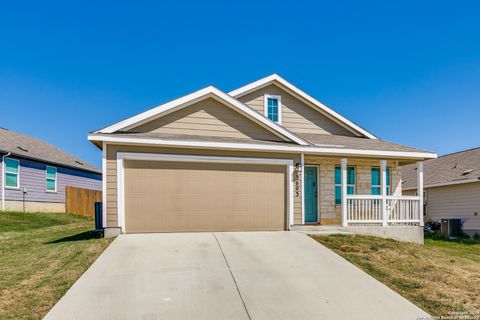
(98, 216)
(451, 228)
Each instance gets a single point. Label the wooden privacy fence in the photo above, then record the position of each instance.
(82, 201)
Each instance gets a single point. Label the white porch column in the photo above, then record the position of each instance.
(383, 175)
(420, 190)
(344, 192)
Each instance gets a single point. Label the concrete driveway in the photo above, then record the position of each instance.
(243, 275)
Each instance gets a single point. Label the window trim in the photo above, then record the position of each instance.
(17, 173)
(265, 106)
(335, 185)
(47, 178)
(389, 186)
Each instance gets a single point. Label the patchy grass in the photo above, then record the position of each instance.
(20, 221)
(41, 256)
(440, 277)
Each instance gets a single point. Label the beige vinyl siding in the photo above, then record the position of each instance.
(410, 192)
(208, 118)
(297, 116)
(455, 201)
(111, 180)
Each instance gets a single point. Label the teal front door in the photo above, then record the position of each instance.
(311, 194)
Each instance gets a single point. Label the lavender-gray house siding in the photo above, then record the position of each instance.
(32, 178)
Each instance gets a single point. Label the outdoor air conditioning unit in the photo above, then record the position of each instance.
(451, 228)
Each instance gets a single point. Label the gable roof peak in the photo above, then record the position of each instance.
(302, 95)
(194, 97)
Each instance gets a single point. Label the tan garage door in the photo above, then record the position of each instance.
(190, 196)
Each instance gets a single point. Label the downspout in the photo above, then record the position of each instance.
(3, 179)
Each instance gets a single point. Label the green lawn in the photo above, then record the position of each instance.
(41, 256)
(440, 277)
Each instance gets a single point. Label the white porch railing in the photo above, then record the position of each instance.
(377, 210)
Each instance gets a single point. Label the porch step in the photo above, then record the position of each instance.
(322, 230)
(402, 233)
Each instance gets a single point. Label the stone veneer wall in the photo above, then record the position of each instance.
(329, 213)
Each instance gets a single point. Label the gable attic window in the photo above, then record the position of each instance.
(273, 108)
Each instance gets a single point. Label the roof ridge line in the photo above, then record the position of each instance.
(457, 152)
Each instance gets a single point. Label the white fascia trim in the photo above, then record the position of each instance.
(198, 96)
(265, 147)
(122, 156)
(442, 184)
(330, 112)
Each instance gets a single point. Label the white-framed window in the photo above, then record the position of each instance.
(376, 178)
(51, 179)
(351, 180)
(273, 107)
(12, 173)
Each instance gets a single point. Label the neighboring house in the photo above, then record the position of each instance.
(452, 188)
(34, 174)
(266, 156)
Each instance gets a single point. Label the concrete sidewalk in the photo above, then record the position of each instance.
(244, 275)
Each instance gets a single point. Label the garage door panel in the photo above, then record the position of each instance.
(175, 196)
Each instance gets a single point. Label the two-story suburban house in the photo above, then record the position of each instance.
(34, 174)
(266, 156)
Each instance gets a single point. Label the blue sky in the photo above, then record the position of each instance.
(407, 71)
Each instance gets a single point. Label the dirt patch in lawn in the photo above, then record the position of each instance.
(439, 277)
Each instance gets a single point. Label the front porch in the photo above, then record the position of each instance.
(370, 189)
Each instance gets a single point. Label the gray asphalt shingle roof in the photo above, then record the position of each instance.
(186, 137)
(315, 140)
(28, 147)
(355, 143)
(455, 167)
